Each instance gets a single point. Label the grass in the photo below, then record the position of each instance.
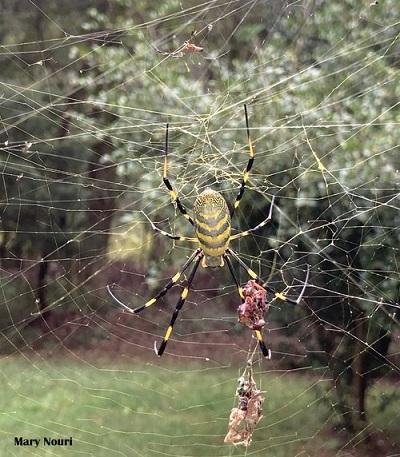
(150, 410)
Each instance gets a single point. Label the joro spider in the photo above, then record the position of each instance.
(212, 223)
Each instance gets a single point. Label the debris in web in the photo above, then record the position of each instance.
(251, 311)
(188, 47)
(244, 418)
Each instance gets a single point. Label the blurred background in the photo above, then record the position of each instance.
(86, 89)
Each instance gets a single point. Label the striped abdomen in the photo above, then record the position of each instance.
(213, 226)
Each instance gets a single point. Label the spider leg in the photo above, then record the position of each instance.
(170, 235)
(280, 295)
(181, 301)
(246, 171)
(162, 292)
(173, 193)
(265, 351)
(257, 227)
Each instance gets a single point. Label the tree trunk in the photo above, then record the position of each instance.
(359, 379)
(41, 295)
(101, 206)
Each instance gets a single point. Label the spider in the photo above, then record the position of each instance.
(211, 220)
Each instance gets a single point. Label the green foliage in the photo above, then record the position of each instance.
(147, 409)
(322, 85)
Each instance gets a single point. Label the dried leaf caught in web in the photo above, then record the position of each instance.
(244, 418)
(251, 311)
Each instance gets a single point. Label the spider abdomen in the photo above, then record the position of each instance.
(213, 226)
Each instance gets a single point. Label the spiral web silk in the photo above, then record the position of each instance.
(85, 97)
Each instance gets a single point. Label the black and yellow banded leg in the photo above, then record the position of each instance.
(257, 227)
(279, 295)
(265, 351)
(233, 274)
(170, 235)
(162, 292)
(172, 192)
(246, 171)
(181, 301)
(282, 295)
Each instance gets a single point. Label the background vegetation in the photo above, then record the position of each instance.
(85, 96)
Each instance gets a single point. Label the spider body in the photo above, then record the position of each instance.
(212, 222)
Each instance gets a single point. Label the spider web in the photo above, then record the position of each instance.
(86, 91)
